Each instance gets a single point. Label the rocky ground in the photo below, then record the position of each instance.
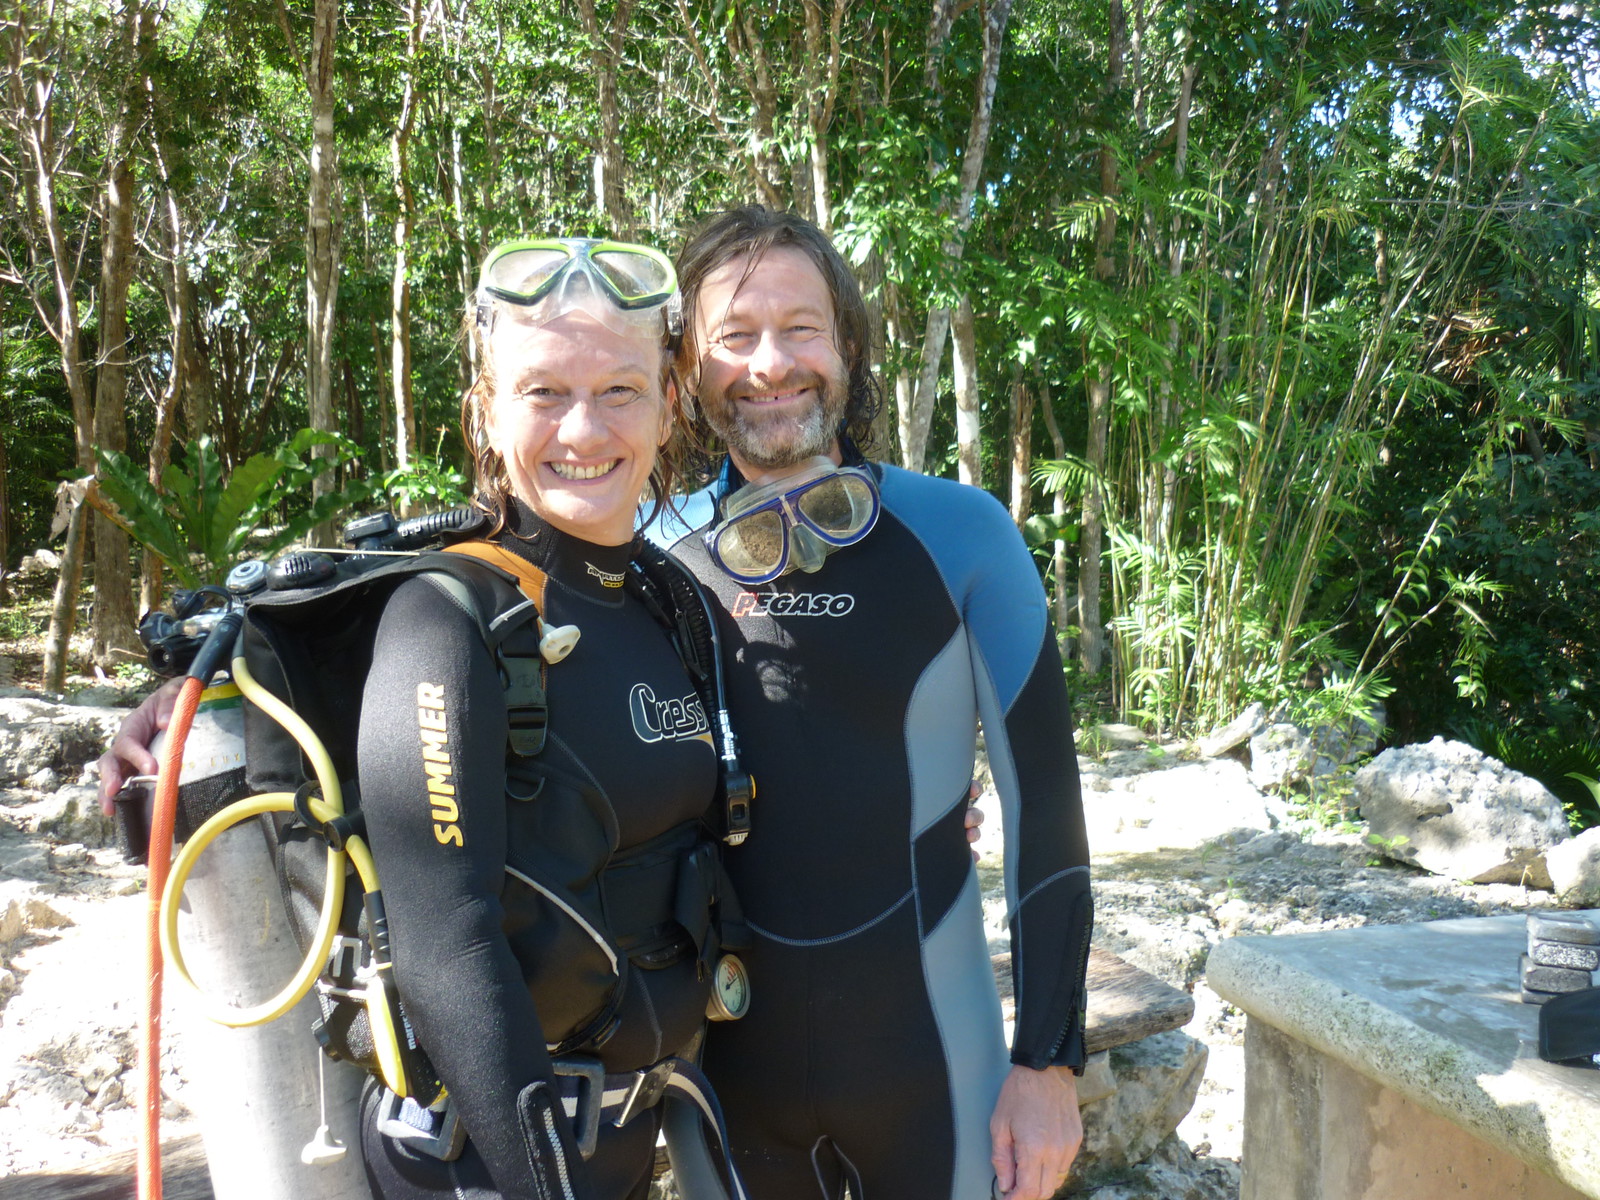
(1185, 854)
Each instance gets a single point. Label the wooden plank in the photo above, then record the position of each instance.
(1125, 1003)
(184, 1176)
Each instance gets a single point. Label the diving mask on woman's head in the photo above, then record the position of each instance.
(627, 288)
(770, 529)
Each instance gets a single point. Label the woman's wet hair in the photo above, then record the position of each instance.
(491, 483)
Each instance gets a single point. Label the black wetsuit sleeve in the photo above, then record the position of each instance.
(432, 753)
(1027, 722)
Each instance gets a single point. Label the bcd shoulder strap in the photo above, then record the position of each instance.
(512, 636)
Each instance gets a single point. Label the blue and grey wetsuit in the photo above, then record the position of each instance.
(873, 1048)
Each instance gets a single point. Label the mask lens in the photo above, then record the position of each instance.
(525, 273)
(633, 276)
(840, 506)
(752, 546)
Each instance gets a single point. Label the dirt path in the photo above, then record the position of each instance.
(71, 922)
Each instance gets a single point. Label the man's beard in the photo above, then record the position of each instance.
(774, 441)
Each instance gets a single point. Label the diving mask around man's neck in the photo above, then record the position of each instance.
(770, 529)
(627, 288)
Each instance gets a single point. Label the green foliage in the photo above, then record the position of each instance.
(17, 622)
(427, 483)
(1349, 312)
(1582, 816)
(200, 523)
(1388, 845)
(1562, 764)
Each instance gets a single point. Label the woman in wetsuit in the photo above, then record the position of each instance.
(568, 419)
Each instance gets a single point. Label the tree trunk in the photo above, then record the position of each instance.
(894, 346)
(1058, 509)
(605, 55)
(1161, 503)
(31, 77)
(150, 577)
(405, 409)
(64, 608)
(183, 389)
(822, 88)
(969, 434)
(114, 618)
(5, 496)
(324, 228)
(914, 432)
(1091, 645)
(1021, 449)
(466, 363)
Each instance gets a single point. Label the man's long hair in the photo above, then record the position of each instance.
(752, 231)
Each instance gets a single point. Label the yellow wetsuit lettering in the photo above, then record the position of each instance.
(434, 736)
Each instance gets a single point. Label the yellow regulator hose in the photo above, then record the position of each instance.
(329, 807)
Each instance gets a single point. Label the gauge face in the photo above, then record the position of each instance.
(730, 990)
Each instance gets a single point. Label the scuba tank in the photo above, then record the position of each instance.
(255, 1087)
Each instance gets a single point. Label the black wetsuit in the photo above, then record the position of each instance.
(873, 1047)
(627, 739)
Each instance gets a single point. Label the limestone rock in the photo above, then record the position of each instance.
(38, 735)
(1575, 869)
(100, 1066)
(1452, 810)
(41, 562)
(1097, 1081)
(75, 816)
(1352, 738)
(1119, 737)
(1172, 1173)
(23, 910)
(100, 696)
(107, 1095)
(1235, 733)
(1280, 755)
(1266, 845)
(45, 779)
(1157, 1080)
(1179, 806)
(1175, 956)
(25, 862)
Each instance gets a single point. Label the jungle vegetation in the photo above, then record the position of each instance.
(1275, 324)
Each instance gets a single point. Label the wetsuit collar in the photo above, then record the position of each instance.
(592, 571)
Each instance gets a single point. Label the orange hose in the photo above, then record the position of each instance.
(161, 824)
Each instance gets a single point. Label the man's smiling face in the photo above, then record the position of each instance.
(770, 378)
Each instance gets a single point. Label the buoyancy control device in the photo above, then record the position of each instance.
(301, 661)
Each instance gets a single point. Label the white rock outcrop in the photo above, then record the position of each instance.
(1157, 1079)
(1575, 869)
(1280, 755)
(1450, 809)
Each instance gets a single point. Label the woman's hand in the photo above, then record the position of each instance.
(973, 823)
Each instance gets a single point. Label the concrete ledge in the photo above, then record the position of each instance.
(1431, 1012)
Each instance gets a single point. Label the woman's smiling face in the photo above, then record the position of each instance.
(577, 413)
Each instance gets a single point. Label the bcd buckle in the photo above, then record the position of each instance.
(591, 1076)
(645, 1091)
(436, 1133)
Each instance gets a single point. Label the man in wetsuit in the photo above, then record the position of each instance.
(872, 1054)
